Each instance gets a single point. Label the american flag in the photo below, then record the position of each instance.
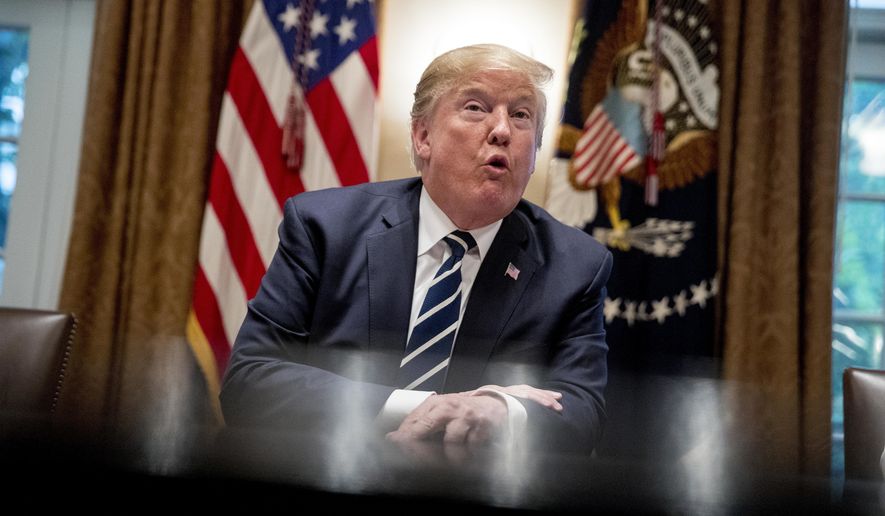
(611, 143)
(250, 181)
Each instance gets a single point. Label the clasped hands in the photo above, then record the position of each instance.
(471, 417)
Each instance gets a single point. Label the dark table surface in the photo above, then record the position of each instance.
(232, 471)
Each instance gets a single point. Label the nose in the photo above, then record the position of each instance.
(499, 133)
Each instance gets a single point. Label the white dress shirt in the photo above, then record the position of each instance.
(433, 225)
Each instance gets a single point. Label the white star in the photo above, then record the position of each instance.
(611, 309)
(318, 25)
(630, 312)
(705, 31)
(690, 121)
(345, 30)
(713, 48)
(661, 310)
(699, 294)
(680, 303)
(351, 3)
(683, 106)
(310, 59)
(692, 21)
(714, 286)
(642, 312)
(670, 124)
(679, 14)
(289, 18)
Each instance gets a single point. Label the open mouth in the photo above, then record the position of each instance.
(498, 162)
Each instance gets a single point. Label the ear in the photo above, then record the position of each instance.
(421, 139)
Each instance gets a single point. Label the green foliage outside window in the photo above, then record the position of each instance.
(13, 75)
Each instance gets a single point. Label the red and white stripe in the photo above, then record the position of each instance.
(250, 183)
(601, 153)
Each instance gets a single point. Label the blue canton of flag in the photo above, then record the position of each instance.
(337, 29)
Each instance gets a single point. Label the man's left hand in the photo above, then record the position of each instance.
(543, 397)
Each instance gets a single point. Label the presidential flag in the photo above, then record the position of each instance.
(656, 214)
(298, 114)
(638, 143)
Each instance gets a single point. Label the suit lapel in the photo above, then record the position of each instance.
(493, 298)
(391, 278)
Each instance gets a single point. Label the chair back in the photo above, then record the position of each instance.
(35, 347)
(864, 412)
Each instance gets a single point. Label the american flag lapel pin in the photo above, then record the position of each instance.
(512, 271)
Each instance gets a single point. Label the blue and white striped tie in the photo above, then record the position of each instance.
(427, 353)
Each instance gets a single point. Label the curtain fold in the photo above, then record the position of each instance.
(157, 79)
(782, 67)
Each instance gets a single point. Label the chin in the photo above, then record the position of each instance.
(497, 208)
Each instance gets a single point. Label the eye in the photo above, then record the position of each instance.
(473, 106)
(522, 114)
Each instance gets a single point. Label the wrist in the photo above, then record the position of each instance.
(515, 414)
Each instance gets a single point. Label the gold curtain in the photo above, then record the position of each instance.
(157, 79)
(782, 72)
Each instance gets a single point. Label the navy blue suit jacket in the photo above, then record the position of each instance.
(323, 338)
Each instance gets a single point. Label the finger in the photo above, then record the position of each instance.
(419, 426)
(398, 437)
(457, 431)
(547, 398)
(555, 405)
(479, 435)
(552, 399)
(456, 454)
(544, 400)
(553, 394)
(546, 392)
(430, 417)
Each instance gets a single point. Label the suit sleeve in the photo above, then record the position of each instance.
(578, 369)
(269, 382)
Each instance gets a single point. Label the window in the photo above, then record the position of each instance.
(40, 141)
(859, 261)
(13, 72)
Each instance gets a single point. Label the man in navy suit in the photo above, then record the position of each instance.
(328, 337)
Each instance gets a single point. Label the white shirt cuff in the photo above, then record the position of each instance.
(397, 407)
(516, 415)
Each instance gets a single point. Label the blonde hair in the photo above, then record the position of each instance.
(446, 70)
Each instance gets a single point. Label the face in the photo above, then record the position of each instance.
(478, 147)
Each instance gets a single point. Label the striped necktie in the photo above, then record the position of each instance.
(427, 353)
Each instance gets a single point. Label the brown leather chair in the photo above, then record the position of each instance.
(864, 411)
(35, 346)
